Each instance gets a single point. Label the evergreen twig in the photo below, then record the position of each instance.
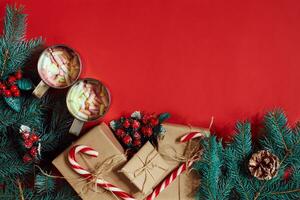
(281, 140)
(52, 128)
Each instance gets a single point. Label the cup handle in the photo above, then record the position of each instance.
(40, 89)
(76, 127)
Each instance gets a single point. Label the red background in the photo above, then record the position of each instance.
(193, 58)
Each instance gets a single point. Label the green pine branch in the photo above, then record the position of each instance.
(14, 23)
(14, 49)
(238, 153)
(278, 132)
(210, 169)
(279, 138)
(48, 118)
(242, 142)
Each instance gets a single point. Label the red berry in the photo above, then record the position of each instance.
(135, 124)
(136, 135)
(120, 132)
(145, 118)
(153, 121)
(18, 75)
(126, 123)
(7, 93)
(25, 135)
(11, 79)
(28, 144)
(16, 93)
(33, 152)
(14, 88)
(287, 173)
(127, 139)
(2, 86)
(147, 131)
(34, 137)
(137, 143)
(27, 158)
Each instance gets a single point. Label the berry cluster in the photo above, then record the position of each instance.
(30, 141)
(136, 130)
(9, 88)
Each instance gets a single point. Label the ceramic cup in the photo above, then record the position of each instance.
(87, 100)
(59, 67)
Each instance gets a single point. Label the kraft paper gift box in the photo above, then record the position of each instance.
(146, 168)
(102, 140)
(185, 186)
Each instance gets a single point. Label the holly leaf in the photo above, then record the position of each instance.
(164, 116)
(14, 103)
(25, 84)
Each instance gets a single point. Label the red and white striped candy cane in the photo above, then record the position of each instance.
(169, 179)
(191, 136)
(88, 175)
(176, 172)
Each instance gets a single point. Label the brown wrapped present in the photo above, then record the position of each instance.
(185, 186)
(146, 168)
(102, 140)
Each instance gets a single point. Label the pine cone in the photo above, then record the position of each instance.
(263, 165)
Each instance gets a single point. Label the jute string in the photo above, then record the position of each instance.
(99, 172)
(192, 153)
(148, 166)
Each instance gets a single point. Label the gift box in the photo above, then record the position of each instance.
(185, 186)
(146, 168)
(103, 141)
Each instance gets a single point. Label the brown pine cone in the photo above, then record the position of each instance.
(263, 165)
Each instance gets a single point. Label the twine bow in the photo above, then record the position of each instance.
(191, 155)
(90, 183)
(91, 176)
(99, 171)
(148, 166)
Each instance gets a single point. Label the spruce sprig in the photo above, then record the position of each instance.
(279, 138)
(15, 50)
(48, 118)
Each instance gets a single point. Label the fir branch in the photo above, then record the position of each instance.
(275, 123)
(21, 195)
(226, 184)
(14, 49)
(210, 169)
(62, 192)
(54, 133)
(44, 184)
(30, 114)
(285, 192)
(52, 128)
(14, 23)
(4, 62)
(242, 144)
(18, 169)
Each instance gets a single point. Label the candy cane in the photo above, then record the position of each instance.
(86, 174)
(169, 179)
(176, 172)
(190, 136)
